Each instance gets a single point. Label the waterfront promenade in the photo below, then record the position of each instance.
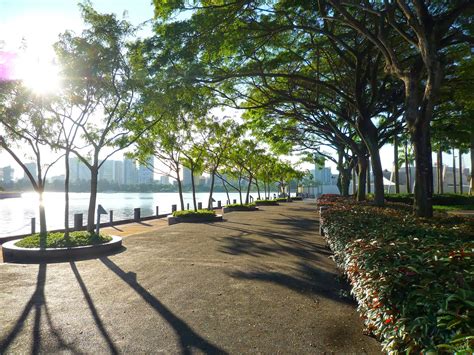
(259, 282)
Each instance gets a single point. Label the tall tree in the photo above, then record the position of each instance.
(99, 84)
(413, 38)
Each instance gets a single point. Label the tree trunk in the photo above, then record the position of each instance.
(92, 198)
(438, 171)
(471, 188)
(454, 173)
(66, 196)
(258, 189)
(369, 134)
(354, 190)
(209, 204)
(240, 190)
(247, 196)
(362, 176)
(441, 177)
(407, 168)
(193, 189)
(345, 181)
(42, 218)
(226, 190)
(368, 177)
(460, 172)
(180, 185)
(180, 192)
(396, 167)
(423, 205)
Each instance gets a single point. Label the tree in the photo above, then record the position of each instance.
(23, 121)
(413, 38)
(100, 87)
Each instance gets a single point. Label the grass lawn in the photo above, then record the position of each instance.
(57, 240)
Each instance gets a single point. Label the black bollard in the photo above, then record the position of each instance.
(136, 214)
(77, 221)
(111, 217)
(33, 225)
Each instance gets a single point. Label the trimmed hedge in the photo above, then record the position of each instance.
(413, 278)
(244, 207)
(57, 240)
(266, 203)
(195, 214)
(297, 198)
(282, 199)
(443, 200)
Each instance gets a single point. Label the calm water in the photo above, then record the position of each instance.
(16, 213)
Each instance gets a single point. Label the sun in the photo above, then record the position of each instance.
(39, 74)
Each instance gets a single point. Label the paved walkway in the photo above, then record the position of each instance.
(260, 282)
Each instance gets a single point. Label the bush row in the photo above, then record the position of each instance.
(444, 199)
(243, 207)
(413, 278)
(195, 214)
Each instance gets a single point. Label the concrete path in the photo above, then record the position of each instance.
(260, 282)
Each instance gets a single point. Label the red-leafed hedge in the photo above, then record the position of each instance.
(413, 278)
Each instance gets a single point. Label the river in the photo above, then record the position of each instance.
(16, 213)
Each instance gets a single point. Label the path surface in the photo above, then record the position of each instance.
(259, 282)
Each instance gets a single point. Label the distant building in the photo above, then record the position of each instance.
(323, 175)
(130, 173)
(118, 172)
(106, 171)
(78, 170)
(31, 168)
(6, 174)
(186, 176)
(164, 180)
(146, 172)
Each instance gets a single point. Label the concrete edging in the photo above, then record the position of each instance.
(174, 220)
(12, 253)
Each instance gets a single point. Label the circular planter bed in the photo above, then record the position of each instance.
(193, 219)
(13, 253)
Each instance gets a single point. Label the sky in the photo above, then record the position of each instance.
(39, 22)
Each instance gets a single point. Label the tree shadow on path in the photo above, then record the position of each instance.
(188, 338)
(37, 302)
(95, 314)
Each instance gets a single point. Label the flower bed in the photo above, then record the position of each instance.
(413, 278)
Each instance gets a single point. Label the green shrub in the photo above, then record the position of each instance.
(297, 198)
(266, 203)
(413, 278)
(281, 199)
(57, 240)
(244, 207)
(195, 214)
(442, 199)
